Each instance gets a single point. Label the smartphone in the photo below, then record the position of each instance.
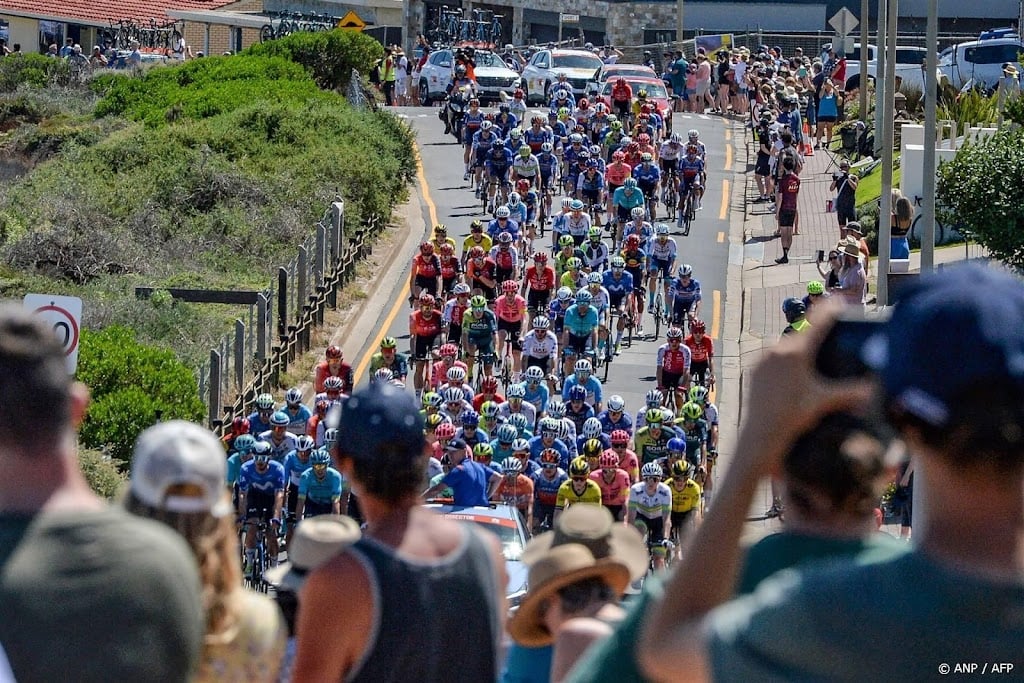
(840, 354)
(821, 255)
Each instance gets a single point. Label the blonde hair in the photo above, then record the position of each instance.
(215, 546)
(902, 209)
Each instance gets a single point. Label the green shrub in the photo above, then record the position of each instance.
(133, 386)
(32, 70)
(329, 56)
(102, 473)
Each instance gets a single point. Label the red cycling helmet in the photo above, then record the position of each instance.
(509, 286)
(240, 425)
(447, 249)
(489, 385)
(522, 186)
(633, 242)
(540, 257)
(583, 103)
(519, 94)
(608, 461)
(618, 155)
(428, 300)
(476, 252)
(698, 326)
(333, 351)
(448, 350)
(427, 248)
(445, 430)
(619, 436)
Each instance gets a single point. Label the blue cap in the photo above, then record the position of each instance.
(953, 331)
(377, 416)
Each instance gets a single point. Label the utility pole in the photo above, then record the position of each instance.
(864, 10)
(679, 24)
(931, 93)
(888, 125)
(879, 71)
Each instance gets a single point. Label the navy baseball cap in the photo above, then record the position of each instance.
(953, 331)
(378, 416)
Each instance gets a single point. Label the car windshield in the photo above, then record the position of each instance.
(576, 62)
(489, 59)
(654, 90)
(511, 542)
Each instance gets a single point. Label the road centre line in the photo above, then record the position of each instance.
(716, 313)
(723, 212)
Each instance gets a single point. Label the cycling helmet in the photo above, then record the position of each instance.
(698, 327)
(566, 240)
(470, 419)
(448, 351)
(674, 333)
(489, 410)
(699, 394)
(522, 185)
(261, 450)
(584, 297)
(676, 445)
(676, 139)
(383, 375)
(489, 385)
(594, 233)
(516, 133)
(477, 252)
(591, 428)
(240, 425)
(534, 374)
(562, 93)
(507, 433)
(293, 396)
(427, 248)
(447, 249)
(445, 430)
(609, 461)
(331, 436)
(509, 286)
(685, 270)
(556, 409)
(618, 263)
(693, 133)
(440, 229)
(520, 445)
(453, 395)
(616, 404)
(691, 150)
(651, 469)
(646, 157)
(547, 147)
(305, 443)
(478, 301)
(427, 300)
(483, 451)
(815, 287)
(497, 144)
(661, 229)
(456, 374)
(637, 212)
(584, 103)
(550, 426)
(629, 183)
(583, 366)
(504, 107)
(515, 391)
(592, 448)
(502, 212)
(265, 402)
(280, 419)
(432, 421)
(564, 293)
(519, 421)
(549, 457)
(486, 125)
(595, 150)
(619, 437)
(594, 278)
(433, 399)
(579, 467)
(243, 443)
(618, 155)
(692, 411)
(793, 308)
(615, 125)
(541, 322)
(667, 416)
(681, 469)
(654, 416)
(333, 384)
(320, 457)
(577, 393)
(576, 205)
(460, 69)
(654, 398)
(632, 242)
(540, 257)
(511, 465)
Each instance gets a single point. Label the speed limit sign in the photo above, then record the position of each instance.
(64, 314)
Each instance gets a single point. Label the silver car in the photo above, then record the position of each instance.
(493, 76)
(579, 66)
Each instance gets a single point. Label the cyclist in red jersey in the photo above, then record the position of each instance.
(702, 354)
(516, 489)
(510, 309)
(425, 273)
(627, 459)
(674, 365)
(488, 392)
(451, 268)
(424, 329)
(538, 284)
(481, 273)
(615, 175)
(614, 482)
(449, 358)
(333, 365)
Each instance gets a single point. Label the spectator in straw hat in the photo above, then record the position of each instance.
(852, 278)
(853, 232)
(178, 475)
(578, 573)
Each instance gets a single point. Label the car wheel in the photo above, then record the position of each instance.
(547, 92)
(424, 93)
(526, 94)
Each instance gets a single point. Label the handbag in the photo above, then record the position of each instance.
(830, 206)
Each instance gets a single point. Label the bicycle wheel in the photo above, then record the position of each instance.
(629, 331)
(608, 355)
(266, 33)
(657, 316)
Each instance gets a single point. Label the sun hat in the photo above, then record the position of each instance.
(854, 226)
(851, 249)
(180, 454)
(375, 417)
(316, 540)
(983, 306)
(586, 543)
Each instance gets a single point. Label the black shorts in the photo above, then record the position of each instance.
(616, 511)
(484, 346)
(543, 512)
(670, 380)
(489, 293)
(611, 188)
(846, 212)
(314, 509)
(681, 518)
(622, 108)
(498, 174)
(761, 166)
(454, 334)
(502, 274)
(699, 370)
(259, 506)
(578, 344)
(655, 528)
(787, 218)
(638, 276)
(449, 282)
(542, 363)
(427, 284)
(538, 299)
(292, 499)
(591, 196)
(423, 345)
(512, 329)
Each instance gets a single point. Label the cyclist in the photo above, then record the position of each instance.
(548, 439)
(503, 438)
(615, 416)
(537, 393)
(481, 274)
(503, 222)
(638, 225)
(583, 377)
(581, 325)
(488, 392)
(333, 365)
(558, 308)
(577, 412)
(455, 403)
(470, 431)
(490, 421)
(322, 489)
(449, 354)
(479, 333)
(505, 121)
(694, 430)
(685, 296)
(702, 354)
(537, 134)
(595, 251)
(451, 316)
(297, 413)
(691, 177)
(686, 500)
(483, 142)
(574, 277)
(260, 499)
(601, 301)
(538, 284)
(547, 165)
(388, 357)
(635, 261)
(510, 310)
(651, 440)
(239, 426)
(622, 98)
(455, 378)
(614, 483)
(282, 442)
(451, 269)
(516, 406)
(472, 120)
(425, 273)
(567, 425)
(577, 223)
(673, 366)
(540, 347)
(505, 255)
(525, 165)
(615, 176)
(476, 238)
(440, 238)
(591, 431)
(648, 179)
(661, 262)
(484, 454)
(567, 250)
(295, 463)
(653, 399)
(516, 489)
(332, 390)
(563, 97)
(424, 328)
(590, 189)
(625, 199)
(546, 485)
(626, 458)
(702, 397)
(619, 285)
(580, 489)
(669, 154)
(650, 509)
(497, 163)
(693, 138)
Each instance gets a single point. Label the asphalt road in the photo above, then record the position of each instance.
(447, 199)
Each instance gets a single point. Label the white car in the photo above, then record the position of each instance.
(580, 66)
(979, 62)
(493, 76)
(908, 64)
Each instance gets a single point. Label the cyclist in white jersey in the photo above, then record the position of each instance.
(661, 260)
(525, 165)
(670, 153)
(577, 222)
(650, 503)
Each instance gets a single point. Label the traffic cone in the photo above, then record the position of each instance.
(808, 150)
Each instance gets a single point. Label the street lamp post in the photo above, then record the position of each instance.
(931, 94)
(679, 23)
(884, 227)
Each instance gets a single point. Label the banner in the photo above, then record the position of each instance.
(713, 43)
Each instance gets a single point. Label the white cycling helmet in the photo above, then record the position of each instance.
(456, 375)
(454, 395)
(583, 365)
(502, 212)
(534, 374)
(591, 428)
(651, 469)
(516, 391)
(685, 270)
(638, 212)
(616, 403)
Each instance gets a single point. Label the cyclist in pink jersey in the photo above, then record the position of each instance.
(614, 483)
(510, 310)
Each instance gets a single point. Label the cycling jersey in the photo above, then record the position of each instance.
(676, 361)
(562, 260)
(590, 182)
(578, 226)
(702, 351)
(573, 280)
(326, 490)
(295, 466)
(526, 409)
(684, 295)
(510, 311)
(426, 266)
(628, 200)
(422, 325)
(234, 468)
(579, 323)
(450, 268)
(537, 445)
(686, 498)
(453, 311)
(670, 152)
(614, 492)
(690, 168)
(505, 122)
(596, 254)
(567, 495)
(649, 448)
(650, 505)
(547, 163)
(439, 372)
(537, 394)
(505, 259)
(663, 251)
(479, 329)
(635, 260)
(480, 239)
(526, 167)
(516, 492)
(540, 347)
(556, 313)
(494, 228)
(545, 490)
(474, 270)
(535, 138)
(647, 175)
(617, 172)
(618, 287)
(628, 462)
(695, 437)
(576, 418)
(541, 279)
(643, 230)
(625, 423)
(279, 449)
(592, 385)
(498, 161)
(269, 481)
(298, 419)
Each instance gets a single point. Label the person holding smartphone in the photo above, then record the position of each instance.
(844, 184)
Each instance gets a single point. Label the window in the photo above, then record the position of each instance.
(992, 54)
(577, 62)
(909, 55)
(854, 55)
(541, 62)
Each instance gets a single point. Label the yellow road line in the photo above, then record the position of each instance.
(364, 362)
(723, 212)
(721, 236)
(728, 134)
(728, 157)
(716, 313)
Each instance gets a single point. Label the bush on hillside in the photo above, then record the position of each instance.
(102, 473)
(133, 386)
(329, 56)
(32, 70)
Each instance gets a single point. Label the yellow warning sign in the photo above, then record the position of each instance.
(351, 22)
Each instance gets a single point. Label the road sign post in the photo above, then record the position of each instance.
(64, 314)
(564, 18)
(843, 21)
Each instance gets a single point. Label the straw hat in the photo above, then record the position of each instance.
(316, 540)
(586, 543)
(850, 249)
(1010, 70)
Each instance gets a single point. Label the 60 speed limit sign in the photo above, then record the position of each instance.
(64, 314)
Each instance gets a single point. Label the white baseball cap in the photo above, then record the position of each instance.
(316, 540)
(179, 453)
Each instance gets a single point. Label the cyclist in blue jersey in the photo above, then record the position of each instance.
(242, 448)
(259, 419)
(261, 499)
(502, 222)
(295, 464)
(639, 226)
(590, 186)
(537, 393)
(583, 376)
(616, 417)
(483, 140)
(648, 179)
(505, 120)
(580, 330)
(570, 159)
(297, 413)
(517, 209)
(547, 162)
(559, 307)
(685, 295)
(536, 135)
(661, 262)
(619, 285)
(625, 199)
(479, 333)
(471, 122)
(693, 138)
(549, 439)
(691, 177)
(497, 164)
(545, 489)
(562, 96)
(322, 489)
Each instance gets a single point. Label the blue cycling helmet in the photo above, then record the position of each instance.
(577, 393)
(320, 457)
(507, 433)
(470, 418)
(676, 444)
(243, 443)
(280, 419)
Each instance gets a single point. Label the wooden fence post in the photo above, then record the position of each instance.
(214, 402)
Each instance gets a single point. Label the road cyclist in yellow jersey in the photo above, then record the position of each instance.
(687, 501)
(580, 488)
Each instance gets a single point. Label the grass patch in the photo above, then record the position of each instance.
(869, 188)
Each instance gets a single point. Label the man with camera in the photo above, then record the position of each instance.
(844, 184)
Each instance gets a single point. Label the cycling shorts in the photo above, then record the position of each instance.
(538, 299)
(259, 506)
(668, 167)
(699, 370)
(663, 266)
(670, 380)
(638, 277)
(655, 529)
(616, 511)
(502, 274)
(422, 350)
(577, 344)
(512, 329)
(454, 334)
(542, 363)
(623, 213)
(315, 509)
(681, 518)
(482, 344)
(647, 188)
(489, 293)
(545, 179)
(591, 196)
(499, 173)
(293, 498)
(426, 283)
